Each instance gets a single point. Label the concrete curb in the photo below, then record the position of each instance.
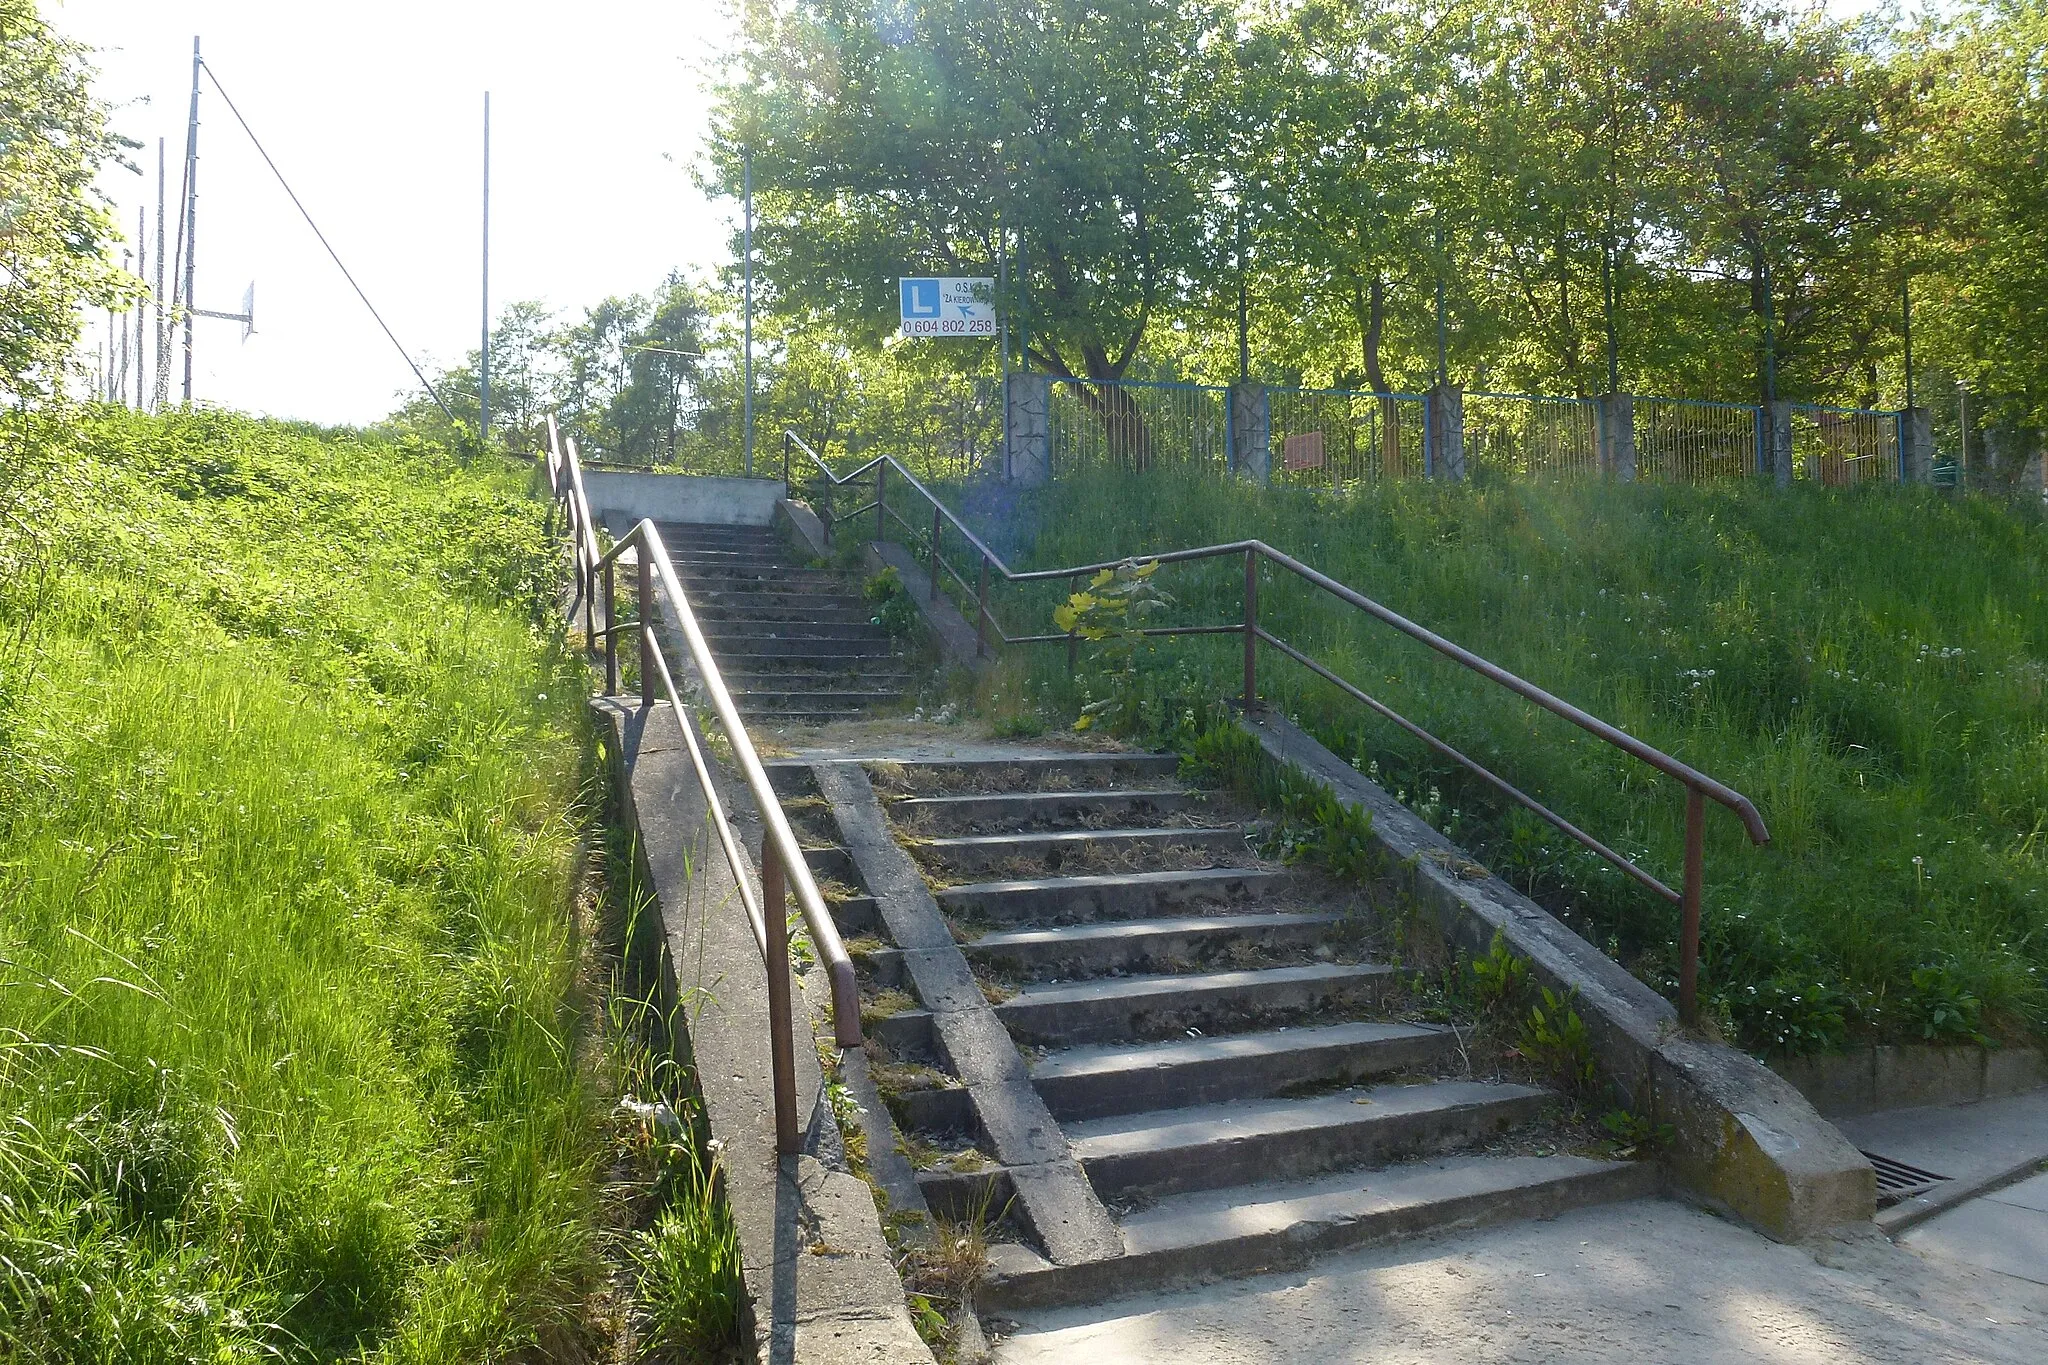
(1747, 1141)
(821, 1284)
(1912, 1212)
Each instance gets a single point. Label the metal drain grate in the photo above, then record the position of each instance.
(1896, 1180)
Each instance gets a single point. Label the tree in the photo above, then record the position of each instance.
(907, 138)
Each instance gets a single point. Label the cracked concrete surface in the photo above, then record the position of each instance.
(1645, 1283)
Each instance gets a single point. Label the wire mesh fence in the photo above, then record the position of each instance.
(1686, 440)
(1328, 438)
(1532, 436)
(1835, 446)
(1138, 425)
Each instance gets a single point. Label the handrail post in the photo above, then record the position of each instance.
(881, 500)
(1689, 908)
(1251, 630)
(1073, 640)
(785, 463)
(647, 669)
(935, 554)
(781, 1043)
(611, 637)
(981, 611)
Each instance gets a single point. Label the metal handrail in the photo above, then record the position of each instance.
(1698, 786)
(784, 870)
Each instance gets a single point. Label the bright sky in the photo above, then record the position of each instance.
(373, 110)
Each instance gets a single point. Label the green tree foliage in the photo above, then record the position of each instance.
(1717, 199)
(54, 232)
(1973, 109)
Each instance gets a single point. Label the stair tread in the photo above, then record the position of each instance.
(1076, 836)
(1189, 875)
(1116, 1058)
(1242, 1120)
(1206, 1216)
(1138, 928)
(1137, 987)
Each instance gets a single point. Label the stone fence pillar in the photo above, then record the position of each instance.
(1027, 430)
(1617, 435)
(1777, 452)
(1445, 449)
(1916, 445)
(1251, 430)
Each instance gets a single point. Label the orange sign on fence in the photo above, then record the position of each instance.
(1304, 451)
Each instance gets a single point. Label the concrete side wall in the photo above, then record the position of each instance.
(819, 1275)
(1874, 1078)
(1746, 1139)
(619, 498)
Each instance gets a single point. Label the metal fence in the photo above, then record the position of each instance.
(1138, 425)
(1836, 446)
(1685, 440)
(1532, 436)
(1328, 438)
(1334, 438)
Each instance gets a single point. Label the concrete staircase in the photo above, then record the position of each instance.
(795, 644)
(1218, 1044)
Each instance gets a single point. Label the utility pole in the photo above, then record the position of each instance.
(747, 193)
(1244, 313)
(484, 369)
(160, 330)
(191, 211)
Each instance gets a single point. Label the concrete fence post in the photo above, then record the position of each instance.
(1251, 430)
(1778, 442)
(1027, 430)
(1618, 436)
(1916, 447)
(1447, 433)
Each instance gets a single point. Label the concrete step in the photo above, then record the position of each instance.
(1038, 772)
(783, 628)
(746, 614)
(856, 915)
(801, 715)
(776, 577)
(1206, 1147)
(789, 698)
(1127, 1008)
(958, 814)
(1150, 945)
(1120, 895)
(762, 651)
(1053, 849)
(1099, 1082)
(770, 599)
(769, 679)
(1250, 1230)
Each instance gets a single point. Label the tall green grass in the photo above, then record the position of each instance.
(288, 979)
(1869, 665)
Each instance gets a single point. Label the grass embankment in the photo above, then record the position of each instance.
(295, 1030)
(1869, 665)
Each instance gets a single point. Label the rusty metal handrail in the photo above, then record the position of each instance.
(1699, 787)
(784, 870)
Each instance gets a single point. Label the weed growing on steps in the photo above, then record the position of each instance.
(895, 610)
(1882, 700)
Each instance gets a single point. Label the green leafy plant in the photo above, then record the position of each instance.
(1111, 613)
(1946, 1009)
(1500, 978)
(1554, 1038)
(1636, 1134)
(895, 610)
